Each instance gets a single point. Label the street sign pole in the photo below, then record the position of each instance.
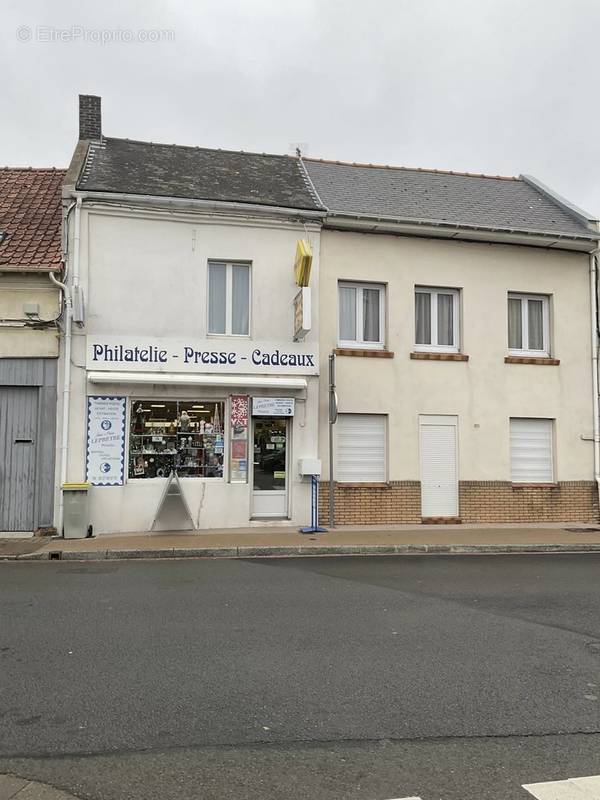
(333, 414)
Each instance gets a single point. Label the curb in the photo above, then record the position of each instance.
(280, 551)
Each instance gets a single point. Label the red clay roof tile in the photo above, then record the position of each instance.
(30, 217)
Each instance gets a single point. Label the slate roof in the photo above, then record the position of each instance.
(30, 218)
(440, 197)
(144, 168)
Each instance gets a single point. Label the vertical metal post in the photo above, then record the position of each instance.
(333, 412)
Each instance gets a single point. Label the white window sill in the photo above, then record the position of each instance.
(431, 348)
(361, 345)
(530, 353)
(228, 336)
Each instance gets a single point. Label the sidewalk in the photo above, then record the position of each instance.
(287, 541)
(21, 789)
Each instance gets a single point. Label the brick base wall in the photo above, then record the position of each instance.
(479, 501)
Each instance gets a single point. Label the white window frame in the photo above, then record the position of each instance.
(526, 351)
(359, 342)
(434, 347)
(229, 297)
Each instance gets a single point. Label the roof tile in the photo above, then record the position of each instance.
(30, 217)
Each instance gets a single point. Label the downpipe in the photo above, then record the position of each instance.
(68, 334)
(594, 331)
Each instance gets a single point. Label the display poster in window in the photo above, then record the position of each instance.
(105, 460)
(273, 406)
(238, 462)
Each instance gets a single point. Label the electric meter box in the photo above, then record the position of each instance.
(309, 466)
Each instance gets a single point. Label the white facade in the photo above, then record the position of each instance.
(144, 276)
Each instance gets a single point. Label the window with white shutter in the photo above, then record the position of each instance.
(531, 450)
(360, 448)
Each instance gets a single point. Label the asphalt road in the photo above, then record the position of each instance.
(363, 678)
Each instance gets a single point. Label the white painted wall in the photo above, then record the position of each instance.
(145, 274)
(484, 392)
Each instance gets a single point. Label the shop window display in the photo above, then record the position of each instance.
(181, 436)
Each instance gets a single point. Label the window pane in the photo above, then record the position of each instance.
(371, 315)
(216, 298)
(176, 436)
(445, 317)
(347, 314)
(423, 318)
(536, 324)
(515, 335)
(240, 311)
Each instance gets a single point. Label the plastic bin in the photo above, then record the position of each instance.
(76, 517)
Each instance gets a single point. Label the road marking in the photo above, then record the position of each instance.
(571, 789)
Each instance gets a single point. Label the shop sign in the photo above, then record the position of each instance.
(201, 356)
(273, 406)
(303, 262)
(302, 313)
(105, 461)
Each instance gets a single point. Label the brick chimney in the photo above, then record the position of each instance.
(90, 116)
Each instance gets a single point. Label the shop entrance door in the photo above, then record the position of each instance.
(270, 467)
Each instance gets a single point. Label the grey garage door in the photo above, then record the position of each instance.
(18, 438)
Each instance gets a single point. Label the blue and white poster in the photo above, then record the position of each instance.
(105, 462)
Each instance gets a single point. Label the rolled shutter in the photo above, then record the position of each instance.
(531, 450)
(360, 450)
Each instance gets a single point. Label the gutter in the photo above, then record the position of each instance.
(363, 220)
(198, 205)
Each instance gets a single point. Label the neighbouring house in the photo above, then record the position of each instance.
(30, 306)
(192, 382)
(463, 321)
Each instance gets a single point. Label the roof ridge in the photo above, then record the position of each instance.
(414, 169)
(198, 147)
(33, 169)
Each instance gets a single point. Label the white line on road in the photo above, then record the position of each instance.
(571, 789)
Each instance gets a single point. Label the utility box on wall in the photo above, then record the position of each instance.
(309, 466)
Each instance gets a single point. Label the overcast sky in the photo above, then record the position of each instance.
(495, 86)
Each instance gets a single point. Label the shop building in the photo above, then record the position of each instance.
(30, 255)
(465, 343)
(194, 360)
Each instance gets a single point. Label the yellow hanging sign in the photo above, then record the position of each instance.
(303, 263)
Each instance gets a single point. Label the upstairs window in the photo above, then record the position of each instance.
(528, 326)
(436, 319)
(361, 314)
(228, 298)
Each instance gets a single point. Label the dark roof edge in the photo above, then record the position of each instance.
(579, 214)
(362, 220)
(164, 201)
(227, 151)
(429, 170)
(75, 167)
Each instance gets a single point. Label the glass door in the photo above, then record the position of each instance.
(270, 467)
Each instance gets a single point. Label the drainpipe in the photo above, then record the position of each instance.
(594, 311)
(66, 397)
(68, 325)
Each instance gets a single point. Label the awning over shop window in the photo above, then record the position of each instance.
(180, 379)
